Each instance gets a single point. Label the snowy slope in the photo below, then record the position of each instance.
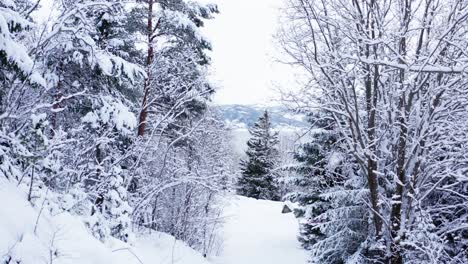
(64, 239)
(256, 232)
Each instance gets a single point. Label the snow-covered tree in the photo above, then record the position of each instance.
(70, 99)
(392, 75)
(180, 184)
(18, 75)
(258, 176)
(85, 54)
(176, 24)
(332, 221)
(14, 57)
(314, 175)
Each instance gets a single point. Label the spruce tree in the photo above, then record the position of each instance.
(90, 65)
(314, 176)
(258, 175)
(328, 196)
(18, 76)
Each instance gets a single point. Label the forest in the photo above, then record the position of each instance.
(113, 148)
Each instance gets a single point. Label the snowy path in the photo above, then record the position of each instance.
(256, 232)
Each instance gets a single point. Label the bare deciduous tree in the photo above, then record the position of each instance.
(393, 74)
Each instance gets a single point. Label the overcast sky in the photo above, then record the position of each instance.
(243, 51)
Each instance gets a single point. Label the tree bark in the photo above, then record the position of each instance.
(55, 107)
(366, 28)
(404, 107)
(149, 60)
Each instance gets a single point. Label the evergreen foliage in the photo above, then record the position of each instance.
(71, 92)
(328, 195)
(258, 179)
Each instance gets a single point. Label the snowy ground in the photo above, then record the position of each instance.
(27, 238)
(256, 232)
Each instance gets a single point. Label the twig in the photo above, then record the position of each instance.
(129, 250)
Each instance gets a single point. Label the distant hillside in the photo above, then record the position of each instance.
(244, 116)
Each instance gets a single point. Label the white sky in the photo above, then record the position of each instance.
(244, 51)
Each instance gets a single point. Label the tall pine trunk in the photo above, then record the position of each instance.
(149, 60)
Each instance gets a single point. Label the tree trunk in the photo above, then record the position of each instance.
(55, 107)
(397, 199)
(404, 107)
(31, 185)
(371, 93)
(154, 213)
(149, 60)
(371, 85)
(371, 80)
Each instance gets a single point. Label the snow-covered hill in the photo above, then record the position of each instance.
(243, 116)
(29, 235)
(239, 118)
(255, 232)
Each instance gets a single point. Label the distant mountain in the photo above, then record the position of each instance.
(244, 116)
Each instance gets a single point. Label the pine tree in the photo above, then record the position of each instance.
(312, 180)
(176, 91)
(258, 175)
(175, 68)
(68, 98)
(14, 57)
(332, 217)
(90, 52)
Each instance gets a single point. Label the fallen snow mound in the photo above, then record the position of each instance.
(63, 238)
